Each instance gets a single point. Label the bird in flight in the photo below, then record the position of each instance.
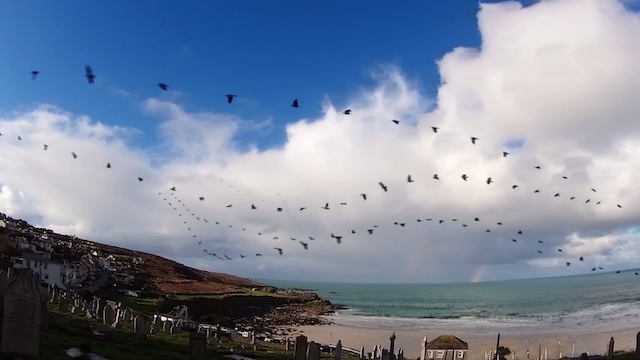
(504, 154)
(304, 245)
(435, 176)
(473, 140)
(279, 250)
(201, 198)
(230, 97)
(435, 129)
(295, 103)
(326, 206)
(347, 112)
(163, 86)
(364, 197)
(88, 72)
(108, 165)
(383, 186)
(34, 74)
(140, 179)
(464, 177)
(75, 156)
(409, 179)
(46, 147)
(489, 181)
(396, 121)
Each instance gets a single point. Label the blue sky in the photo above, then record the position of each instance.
(536, 80)
(266, 52)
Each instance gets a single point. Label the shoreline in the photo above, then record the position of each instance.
(556, 343)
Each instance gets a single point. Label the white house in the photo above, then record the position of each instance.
(47, 269)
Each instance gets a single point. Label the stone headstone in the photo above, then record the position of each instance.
(253, 338)
(300, 348)
(337, 355)
(423, 350)
(287, 345)
(362, 352)
(138, 324)
(156, 325)
(385, 355)
(313, 351)
(197, 346)
(22, 316)
(584, 356)
(108, 315)
(638, 345)
(63, 305)
(392, 344)
(610, 352)
(375, 352)
(400, 354)
(174, 329)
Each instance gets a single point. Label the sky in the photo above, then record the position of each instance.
(552, 83)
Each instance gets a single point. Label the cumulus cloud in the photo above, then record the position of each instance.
(553, 84)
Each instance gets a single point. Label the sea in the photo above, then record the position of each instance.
(571, 304)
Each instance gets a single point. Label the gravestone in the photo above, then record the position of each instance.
(584, 356)
(22, 316)
(108, 315)
(400, 354)
(253, 338)
(63, 305)
(300, 348)
(385, 355)
(638, 345)
(362, 352)
(138, 324)
(174, 329)
(610, 352)
(313, 351)
(337, 355)
(423, 350)
(155, 326)
(375, 352)
(392, 344)
(287, 345)
(197, 346)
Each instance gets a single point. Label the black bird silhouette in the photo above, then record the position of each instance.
(302, 208)
(279, 250)
(88, 72)
(253, 207)
(409, 179)
(519, 232)
(619, 205)
(560, 250)
(556, 195)
(304, 245)
(230, 205)
(464, 177)
(347, 112)
(540, 251)
(537, 191)
(489, 181)
(364, 197)
(504, 154)
(473, 140)
(343, 203)
(230, 98)
(540, 241)
(568, 263)
(564, 177)
(279, 209)
(326, 206)
(571, 198)
(618, 272)
(581, 258)
(383, 186)
(295, 103)
(75, 156)
(476, 219)
(163, 86)
(514, 240)
(396, 121)
(201, 198)
(538, 167)
(435, 176)
(588, 200)
(34, 74)
(173, 188)
(258, 254)
(338, 239)
(108, 165)
(435, 129)
(370, 231)
(592, 189)
(19, 138)
(140, 179)
(46, 147)
(514, 187)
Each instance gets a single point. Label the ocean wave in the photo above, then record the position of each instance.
(606, 317)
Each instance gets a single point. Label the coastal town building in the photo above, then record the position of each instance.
(447, 347)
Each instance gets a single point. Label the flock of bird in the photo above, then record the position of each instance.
(188, 214)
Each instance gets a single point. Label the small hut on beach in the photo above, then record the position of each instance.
(447, 347)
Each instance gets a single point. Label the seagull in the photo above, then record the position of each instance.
(338, 239)
(163, 86)
(347, 112)
(302, 208)
(46, 147)
(89, 74)
(581, 258)
(568, 263)
(537, 191)
(538, 167)
(253, 207)
(409, 179)
(108, 165)
(489, 181)
(473, 140)
(464, 177)
(364, 197)
(370, 231)
(295, 103)
(396, 121)
(343, 203)
(34, 74)
(140, 179)
(230, 97)
(326, 206)
(556, 195)
(540, 241)
(504, 154)
(435, 176)
(19, 137)
(514, 187)
(279, 209)
(383, 186)
(619, 206)
(566, 178)
(304, 245)
(592, 189)
(173, 188)
(514, 240)
(201, 198)
(560, 250)
(258, 254)
(75, 156)
(435, 129)
(230, 205)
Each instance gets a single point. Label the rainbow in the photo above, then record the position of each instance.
(477, 274)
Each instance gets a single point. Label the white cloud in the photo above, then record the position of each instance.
(559, 77)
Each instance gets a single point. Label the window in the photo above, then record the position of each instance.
(460, 354)
(430, 354)
(46, 276)
(440, 354)
(45, 266)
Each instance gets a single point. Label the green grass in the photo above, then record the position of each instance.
(143, 305)
(65, 330)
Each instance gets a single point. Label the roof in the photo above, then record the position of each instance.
(447, 342)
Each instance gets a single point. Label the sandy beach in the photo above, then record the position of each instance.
(410, 340)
